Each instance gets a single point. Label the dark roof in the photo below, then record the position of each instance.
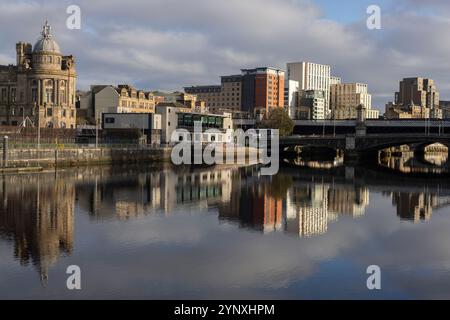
(8, 68)
(97, 88)
(192, 89)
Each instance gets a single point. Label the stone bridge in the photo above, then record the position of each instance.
(355, 146)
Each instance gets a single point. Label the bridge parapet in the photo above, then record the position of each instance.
(355, 147)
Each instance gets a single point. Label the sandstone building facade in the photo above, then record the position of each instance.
(40, 88)
(345, 99)
(110, 99)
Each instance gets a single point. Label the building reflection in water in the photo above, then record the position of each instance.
(302, 208)
(433, 159)
(251, 203)
(37, 215)
(125, 195)
(416, 207)
(37, 210)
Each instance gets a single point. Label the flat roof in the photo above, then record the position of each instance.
(203, 114)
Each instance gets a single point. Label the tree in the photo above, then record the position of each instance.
(278, 119)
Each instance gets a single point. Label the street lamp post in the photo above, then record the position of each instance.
(38, 126)
(334, 122)
(96, 130)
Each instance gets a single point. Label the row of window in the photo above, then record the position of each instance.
(49, 112)
(205, 137)
(209, 121)
(134, 95)
(200, 177)
(224, 104)
(64, 113)
(48, 83)
(133, 104)
(47, 59)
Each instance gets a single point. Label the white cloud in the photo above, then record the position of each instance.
(170, 44)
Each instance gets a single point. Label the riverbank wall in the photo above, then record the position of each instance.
(66, 157)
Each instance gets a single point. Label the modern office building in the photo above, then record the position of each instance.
(346, 97)
(417, 98)
(335, 80)
(259, 88)
(173, 118)
(311, 105)
(40, 88)
(262, 89)
(312, 76)
(291, 97)
(149, 124)
(418, 91)
(218, 98)
(212, 95)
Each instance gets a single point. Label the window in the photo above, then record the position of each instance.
(13, 94)
(62, 96)
(34, 95)
(49, 112)
(49, 95)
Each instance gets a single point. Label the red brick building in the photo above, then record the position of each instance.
(262, 88)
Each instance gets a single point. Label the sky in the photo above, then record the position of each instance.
(169, 44)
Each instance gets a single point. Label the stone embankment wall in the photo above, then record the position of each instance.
(34, 157)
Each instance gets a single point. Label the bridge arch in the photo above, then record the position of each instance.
(374, 145)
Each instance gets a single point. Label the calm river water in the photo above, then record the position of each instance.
(224, 233)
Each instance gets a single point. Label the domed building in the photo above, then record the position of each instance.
(41, 88)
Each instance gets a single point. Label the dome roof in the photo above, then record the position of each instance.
(46, 43)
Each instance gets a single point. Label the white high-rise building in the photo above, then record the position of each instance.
(335, 80)
(311, 76)
(291, 97)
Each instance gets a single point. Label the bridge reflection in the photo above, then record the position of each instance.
(413, 159)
